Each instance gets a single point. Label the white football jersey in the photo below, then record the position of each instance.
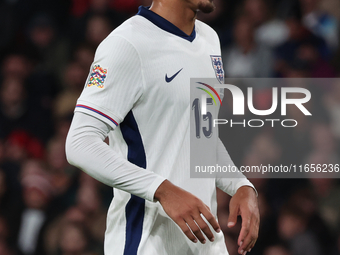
(139, 84)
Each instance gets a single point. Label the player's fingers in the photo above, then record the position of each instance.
(252, 245)
(247, 245)
(204, 227)
(253, 236)
(233, 212)
(210, 218)
(250, 239)
(246, 220)
(186, 230)
(195, 229)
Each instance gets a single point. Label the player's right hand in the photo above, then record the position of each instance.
(186, 211)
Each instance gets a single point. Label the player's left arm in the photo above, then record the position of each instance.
(244, 195)
(243, 202)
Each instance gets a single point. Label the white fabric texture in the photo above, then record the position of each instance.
(123, 84)
(86, 149)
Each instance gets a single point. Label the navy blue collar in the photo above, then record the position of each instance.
(164, 24)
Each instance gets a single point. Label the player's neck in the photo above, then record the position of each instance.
(176, 13)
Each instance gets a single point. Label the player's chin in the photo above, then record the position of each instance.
(206, 6)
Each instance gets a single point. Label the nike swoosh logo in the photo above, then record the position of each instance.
(167, 79)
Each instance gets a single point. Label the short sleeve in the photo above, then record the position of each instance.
(114, 83)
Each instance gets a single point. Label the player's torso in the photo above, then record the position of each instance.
(162, 114)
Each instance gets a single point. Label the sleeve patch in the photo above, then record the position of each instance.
(97, 77)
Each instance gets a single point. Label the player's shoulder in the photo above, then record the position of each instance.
(205, 30)
(132, 31)
(130, 28)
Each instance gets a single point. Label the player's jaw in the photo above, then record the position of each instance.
(205, 6)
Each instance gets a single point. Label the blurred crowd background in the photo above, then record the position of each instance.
(46, 49)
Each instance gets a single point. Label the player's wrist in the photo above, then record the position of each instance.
(246, 191)
(162, 190)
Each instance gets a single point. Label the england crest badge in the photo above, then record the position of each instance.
(97, 77)
(218, 67)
